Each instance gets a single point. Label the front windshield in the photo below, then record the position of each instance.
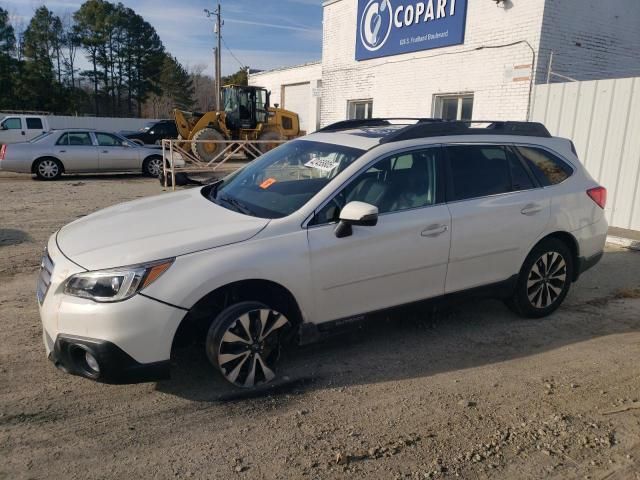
(147, 127)
(284, 179)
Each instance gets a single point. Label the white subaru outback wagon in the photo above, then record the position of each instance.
(356, 218)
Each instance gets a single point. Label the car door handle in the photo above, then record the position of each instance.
(531, 209)
(105, 151)
(62, 151)
(434, 230)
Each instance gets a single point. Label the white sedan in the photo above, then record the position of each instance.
(79, 151)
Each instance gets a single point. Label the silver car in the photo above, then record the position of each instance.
(79, 151)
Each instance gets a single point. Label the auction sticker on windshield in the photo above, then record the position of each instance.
(323, 164)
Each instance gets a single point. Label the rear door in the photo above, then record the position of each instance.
(34, 126)
(116, 154)
(497, 212)
(77, 152)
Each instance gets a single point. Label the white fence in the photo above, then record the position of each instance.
(603, 119)
(111, 124)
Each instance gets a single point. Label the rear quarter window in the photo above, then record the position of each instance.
(547, 167)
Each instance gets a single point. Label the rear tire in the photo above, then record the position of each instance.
(244, 342)
(544, 280)
(48, 169)
(207, 151)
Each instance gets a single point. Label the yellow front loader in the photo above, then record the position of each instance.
(246, 115)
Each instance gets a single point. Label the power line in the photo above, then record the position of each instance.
(242, 65)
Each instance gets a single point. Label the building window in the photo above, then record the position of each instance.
(453, 107)
(360, 109)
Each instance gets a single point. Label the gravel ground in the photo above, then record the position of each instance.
(470, 392)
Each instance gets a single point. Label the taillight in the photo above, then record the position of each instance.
(598, 195)
(3, 150)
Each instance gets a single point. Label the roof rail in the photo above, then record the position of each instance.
(447, 128)
(372, 122)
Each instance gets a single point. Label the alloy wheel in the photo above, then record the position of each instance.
(250, 347)
(154, 167)
(547, 279)
(48, 169)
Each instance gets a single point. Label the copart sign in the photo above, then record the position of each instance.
(393, 27)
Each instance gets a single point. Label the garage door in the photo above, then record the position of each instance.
(297, 98)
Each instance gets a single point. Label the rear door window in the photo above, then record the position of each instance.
(520, 177)
(477, 171)
(34, 123)
(75, 139)
(548, 168)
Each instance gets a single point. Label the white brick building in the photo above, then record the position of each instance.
(505, 51)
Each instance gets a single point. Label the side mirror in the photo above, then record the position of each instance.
(3, 127)
(356, 213)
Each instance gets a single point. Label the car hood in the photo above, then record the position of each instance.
(154, 228)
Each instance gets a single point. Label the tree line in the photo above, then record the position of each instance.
(130, 72)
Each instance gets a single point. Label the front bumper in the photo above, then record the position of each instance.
(131, 340)
(115, 365)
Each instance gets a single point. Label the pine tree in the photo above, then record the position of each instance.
(7, 62)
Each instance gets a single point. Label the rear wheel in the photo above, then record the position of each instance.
(207, 152)
(544, 280)
(48, 169)
(244, 343)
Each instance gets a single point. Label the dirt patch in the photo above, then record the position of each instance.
(471, 392)
(628, 293)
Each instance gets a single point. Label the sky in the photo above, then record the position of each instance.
(262, 34)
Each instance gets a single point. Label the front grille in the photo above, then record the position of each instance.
(44, 280)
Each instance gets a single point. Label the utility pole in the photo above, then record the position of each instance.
(218, 51)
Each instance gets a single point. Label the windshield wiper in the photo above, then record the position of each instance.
(213, 193)
(241, 207)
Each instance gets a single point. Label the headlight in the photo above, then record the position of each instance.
(117, 284)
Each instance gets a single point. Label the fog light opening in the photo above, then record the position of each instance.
(85, 363)
(92, 363)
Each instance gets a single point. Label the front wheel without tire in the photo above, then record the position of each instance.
(544, 280)
(244, 343)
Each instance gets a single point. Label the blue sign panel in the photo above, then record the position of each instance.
(393, 27)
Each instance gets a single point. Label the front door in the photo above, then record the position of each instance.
(116, 154)
(400, 260)
(12, 130)
(497, 214)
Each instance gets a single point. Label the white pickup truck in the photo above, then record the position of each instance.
(22, 128)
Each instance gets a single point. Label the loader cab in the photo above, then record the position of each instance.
(245, 107)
